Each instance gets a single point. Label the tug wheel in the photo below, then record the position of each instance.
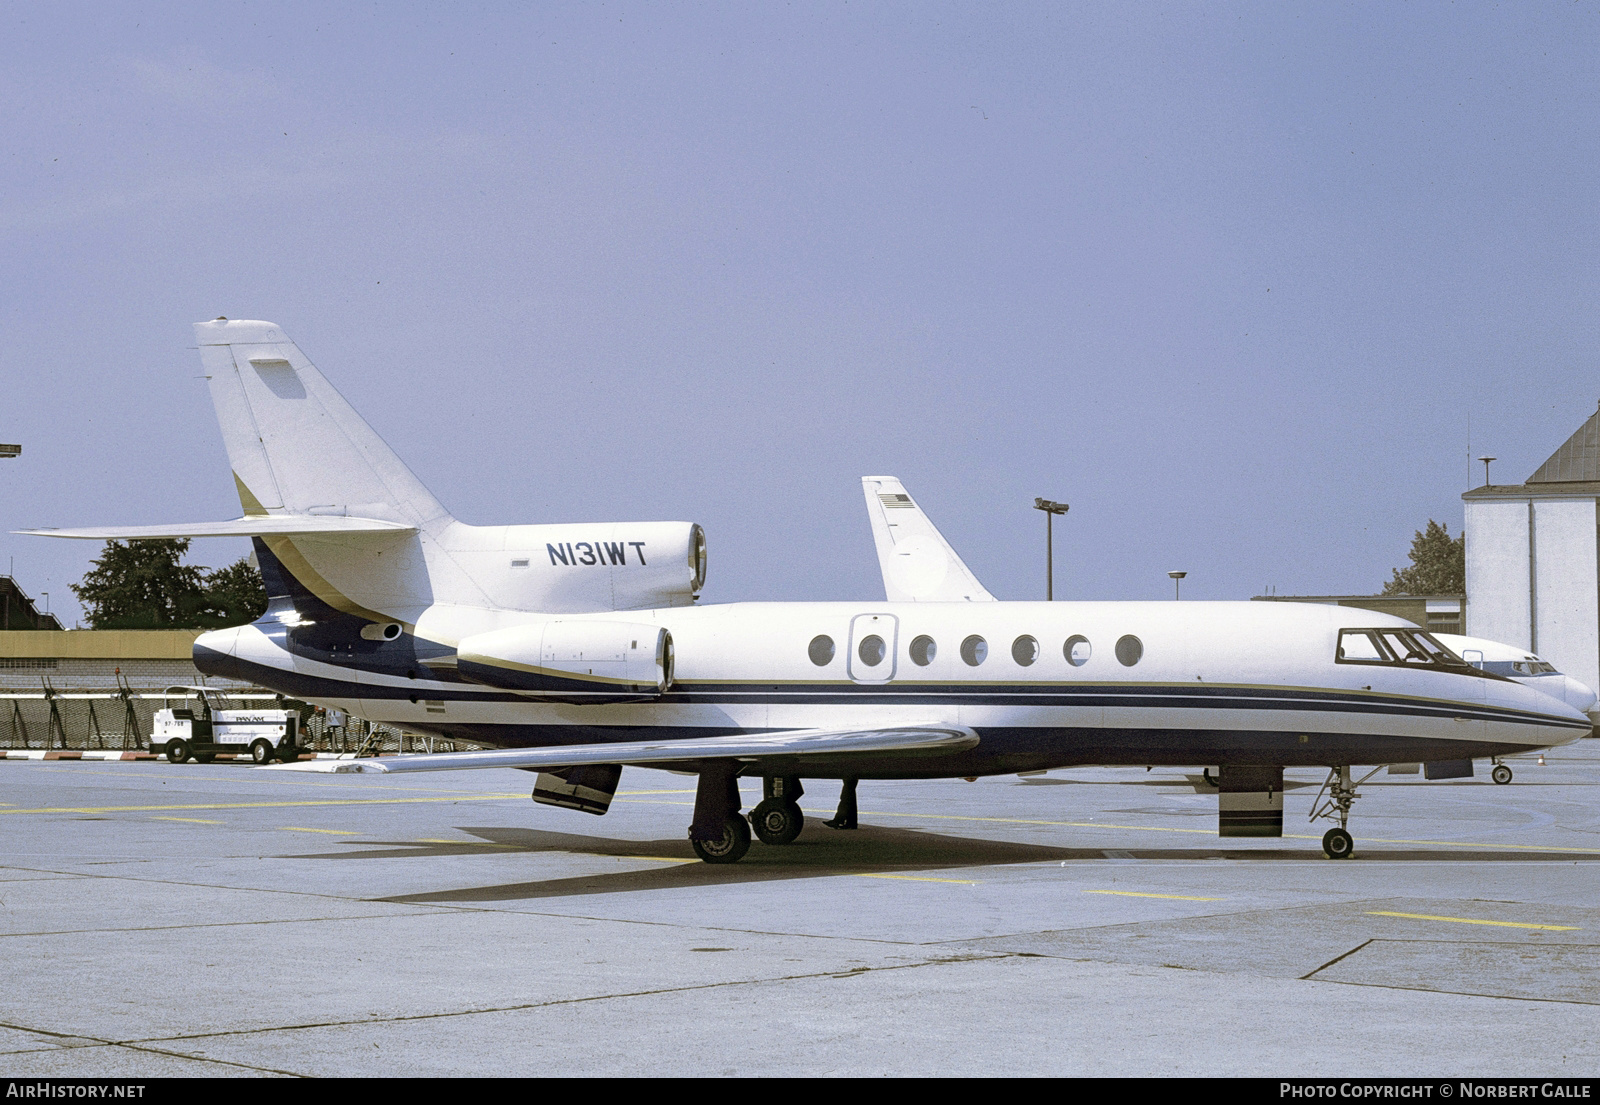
(177, 751)
(261, 752)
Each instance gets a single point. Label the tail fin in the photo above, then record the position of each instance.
(918, 564)
(296, 445)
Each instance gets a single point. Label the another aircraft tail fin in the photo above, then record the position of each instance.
(918, 564)
(296, 445)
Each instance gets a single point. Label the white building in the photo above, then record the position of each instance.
(1533, 559)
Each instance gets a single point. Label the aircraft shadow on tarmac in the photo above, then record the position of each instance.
(869, 850)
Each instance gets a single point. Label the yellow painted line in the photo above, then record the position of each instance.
(911, 878)
(190, 820)
(330, 832)
(1471, 921)
(1137, 894)
(267, 805)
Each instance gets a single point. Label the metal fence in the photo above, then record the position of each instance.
(90, 720)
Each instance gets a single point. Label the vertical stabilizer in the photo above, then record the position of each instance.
(295, 444)
(918, 564)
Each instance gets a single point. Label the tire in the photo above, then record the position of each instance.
(1213, 780)
(1337, 844)
(261, 752)
(777, 822)
(1501, 774)
(177, 751)
(204, 757)
(731, 848)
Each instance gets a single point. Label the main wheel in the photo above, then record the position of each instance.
(261, 752)
(1337, 844)
(1501, 774)
(777, 821)
(177, 751)
(732, 846)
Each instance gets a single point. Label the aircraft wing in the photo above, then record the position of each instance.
(918, 564)
(928, 739)
(251, 525)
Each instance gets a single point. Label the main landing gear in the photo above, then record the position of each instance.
(778, 819)
(720, 833)
(1341, 792)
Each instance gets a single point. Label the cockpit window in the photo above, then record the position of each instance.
(1397, 647)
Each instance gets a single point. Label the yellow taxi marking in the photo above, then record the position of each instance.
(1471, 921)
(270, 805)
(910, 878)
(189, 820)
(330, 832)
(1137, 894)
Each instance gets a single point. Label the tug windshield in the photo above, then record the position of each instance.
(1395, 647)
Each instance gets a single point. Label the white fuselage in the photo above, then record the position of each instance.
(1208, 681)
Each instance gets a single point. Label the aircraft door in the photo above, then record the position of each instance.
(874, 640)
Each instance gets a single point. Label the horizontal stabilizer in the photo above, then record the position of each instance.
(251, 525)
(928, 739)
(918, 564)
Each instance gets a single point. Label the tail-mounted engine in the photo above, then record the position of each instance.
(579, 660)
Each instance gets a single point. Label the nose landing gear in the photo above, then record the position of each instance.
(1501, 773)
(1341, 792)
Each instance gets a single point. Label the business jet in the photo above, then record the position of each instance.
(576, 649)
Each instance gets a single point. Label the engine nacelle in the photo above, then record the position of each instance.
(586, 660)
(572, 568)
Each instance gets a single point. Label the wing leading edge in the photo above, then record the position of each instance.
(918, 564)
(916, 739)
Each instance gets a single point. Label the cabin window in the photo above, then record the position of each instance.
(872, 650)
(974, 650)
(821, 650)
(923, 650)
(1129, 650)
(1077, 650)
(1024, 650)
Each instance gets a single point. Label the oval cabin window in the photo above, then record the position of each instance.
(1129, 650)
(974, 650)
(1024, 650)
(872, 650)
(923, 650)
(821, 650)
(1077, 650)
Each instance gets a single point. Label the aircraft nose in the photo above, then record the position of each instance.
(1578, 695)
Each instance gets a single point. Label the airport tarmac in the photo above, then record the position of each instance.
(173, 920)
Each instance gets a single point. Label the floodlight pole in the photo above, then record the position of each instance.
(1050, 511)
(1177, 584)
(1486, 461)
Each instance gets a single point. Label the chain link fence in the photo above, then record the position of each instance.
(96, 720)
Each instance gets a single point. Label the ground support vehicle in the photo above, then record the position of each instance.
(192, 725)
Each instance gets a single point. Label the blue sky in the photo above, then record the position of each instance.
(1229, 279)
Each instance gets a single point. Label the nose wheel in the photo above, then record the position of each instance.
(1501, 774)
(1341, 792)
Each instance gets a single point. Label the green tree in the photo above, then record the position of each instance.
(145, 585)
(1438, 565)
(236, 592)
